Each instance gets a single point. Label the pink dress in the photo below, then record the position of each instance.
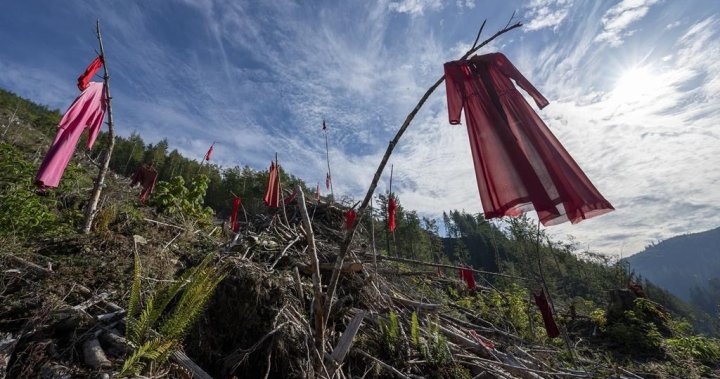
(86, 112)
(519, 164)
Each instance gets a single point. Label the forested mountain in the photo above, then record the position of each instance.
(688, 266)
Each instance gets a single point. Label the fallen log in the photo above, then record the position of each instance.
(94, 354)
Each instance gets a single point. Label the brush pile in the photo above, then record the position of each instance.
(269, 317)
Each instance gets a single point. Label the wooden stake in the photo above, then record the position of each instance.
(327, 157)
(91, 209)
(345, 246)
(317, 290)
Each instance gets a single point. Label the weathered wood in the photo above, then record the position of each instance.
(7, 347)
(346, 267)
(416, 304)
(91, 209)
(94, 354)
(116, 341)
(319, 313)
(163, 224)
(345, 342)
(35, 268)
(183, 360)
(91, 301)
(298, 285)
(345, 246)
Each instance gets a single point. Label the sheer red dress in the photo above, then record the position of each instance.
(519, 163)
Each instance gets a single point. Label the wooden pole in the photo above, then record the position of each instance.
(327, 157)
(345, 246)
(91, 209)
(316, 278)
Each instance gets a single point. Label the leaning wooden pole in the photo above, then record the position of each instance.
(345, 246)
(327, 157)
(91, 209)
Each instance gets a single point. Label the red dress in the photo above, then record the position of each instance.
(519, 163)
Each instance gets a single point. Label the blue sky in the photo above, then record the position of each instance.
(634, 90)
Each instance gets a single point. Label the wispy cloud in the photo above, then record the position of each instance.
(546, 14)
(618, 19)
(418, 7)
(259, 77)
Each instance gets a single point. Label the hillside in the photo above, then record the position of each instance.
(167, 290)
(682, 263)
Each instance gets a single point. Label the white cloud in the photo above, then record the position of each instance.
(546, 14)
(417, 7)
(620, 17)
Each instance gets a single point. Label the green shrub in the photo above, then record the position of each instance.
(705, 350)
(186, 205)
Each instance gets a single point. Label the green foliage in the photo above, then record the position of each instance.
(415, 330)
(185, 204)
(435, 349)
(158, 328)
(599, 317)
(634, 334)
(390, 331)
(22, 211)
(704, 349)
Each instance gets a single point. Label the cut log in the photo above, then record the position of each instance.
(95, 355)
(343, 346)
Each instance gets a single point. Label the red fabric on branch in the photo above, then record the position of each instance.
(233, 215)
(84, 79)
(392, 208)
(349, 219)
(519, 164)
(542, 302)
(272, 194)
(146, 177)
(468, 278)
(87, 112)
(209, 152)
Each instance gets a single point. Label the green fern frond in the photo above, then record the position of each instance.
(415, 330)
(135, 289)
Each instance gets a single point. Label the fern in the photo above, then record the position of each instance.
(135, 289)
(415, 330)
(157, 330)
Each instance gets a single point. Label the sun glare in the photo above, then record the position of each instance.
(634, 84)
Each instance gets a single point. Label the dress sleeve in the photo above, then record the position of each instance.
(453, 83)
(511, 72)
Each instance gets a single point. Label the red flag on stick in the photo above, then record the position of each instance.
(209, 152)
(392, 208)
(233, 216)
(272, 194)
(84, 78)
